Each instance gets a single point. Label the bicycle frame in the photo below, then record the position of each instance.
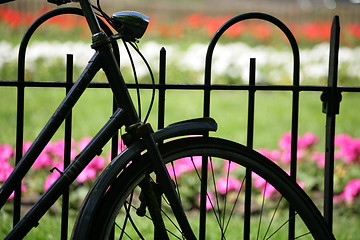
(125, 115)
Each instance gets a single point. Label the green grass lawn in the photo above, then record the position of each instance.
(49, 227)
(272, 113)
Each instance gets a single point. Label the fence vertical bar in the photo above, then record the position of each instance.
(20, 119)
(67, 150)
(162, 81)
(114, 150)
(250, 143)
(204, 169)
(293, 161)
(294, 121)
(19, 135)
(331, 103)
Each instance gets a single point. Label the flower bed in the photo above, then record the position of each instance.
(198, 23)
(310, 167)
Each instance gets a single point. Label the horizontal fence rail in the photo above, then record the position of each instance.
(169, 86)
(330, 97)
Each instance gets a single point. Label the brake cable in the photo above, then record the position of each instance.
(152, 100)
(135, 47)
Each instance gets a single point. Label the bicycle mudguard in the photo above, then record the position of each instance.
(197, 126)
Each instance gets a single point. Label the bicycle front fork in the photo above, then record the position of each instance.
(150, 198)
(164, 181)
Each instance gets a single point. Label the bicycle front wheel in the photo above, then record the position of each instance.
(227, 191)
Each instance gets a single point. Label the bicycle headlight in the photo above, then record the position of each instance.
(130, 24)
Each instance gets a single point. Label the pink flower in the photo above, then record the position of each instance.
(86, 174)
(6, 152)
(26, 146)
(229, 167)
(83, 143)
(273, 155)
(210, 199)
(175, 171)
(286, 155)
(57, 149)
(44, 160)
(304, 141)
(51, 179)
(258, 182)
(98, 163)
(5, 171)
(307, 140)
(23, 189)
(285, 142)
(266, 188)
(342, 139)
(301, 184)
(184, 165)
(351, 190)
(268, 191)
(319, 158)
(349, 148)
(224, 185)
(91, 170)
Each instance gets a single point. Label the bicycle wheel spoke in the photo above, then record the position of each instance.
(207, 195)
(273, 216)
(127, 210)
(235, 203)
(175, 179)
(128, 217)
(216, 195)
(173, 223)
(281, 226)
(123, 232)
(226, 193)
(302, 235)
(149, 218)
(261, 211)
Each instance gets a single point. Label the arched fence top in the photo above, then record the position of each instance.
(43, 19)
(247, 16)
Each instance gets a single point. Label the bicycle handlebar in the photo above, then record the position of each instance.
(59, 2)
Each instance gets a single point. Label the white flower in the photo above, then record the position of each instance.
(229, 60)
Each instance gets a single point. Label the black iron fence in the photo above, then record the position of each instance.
(330, 96)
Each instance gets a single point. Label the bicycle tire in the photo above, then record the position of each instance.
(218, 152)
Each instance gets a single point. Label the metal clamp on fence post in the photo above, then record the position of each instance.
(331, 101)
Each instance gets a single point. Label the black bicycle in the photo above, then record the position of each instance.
(144, 192)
